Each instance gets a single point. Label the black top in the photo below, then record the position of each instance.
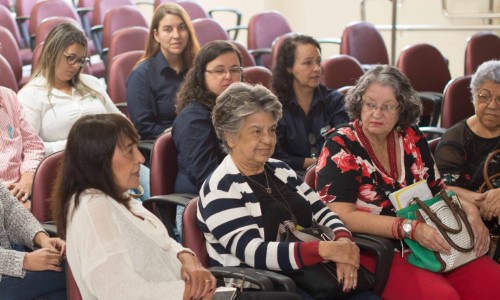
(274, 210)
(460, 157)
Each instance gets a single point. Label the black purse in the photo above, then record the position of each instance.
(320, 280)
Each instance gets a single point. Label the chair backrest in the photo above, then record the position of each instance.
(193, 9)
(102, 6)
(481, 47)
(7, 79)
(72, 290)
(246, 56)
(46, 26)
(11, 52)
(191, 233)
(457, 102)
(263, 29)
(126, 40)
(5, 3)
(425, 66)
(164, 166)
(120, 68)
(36, 55)
(258, 75)
(340, 70)
(121, 17)
(43, 182)
(364, 42)
(8, 21)
(208, 30)
(51, 8)
(276, 46)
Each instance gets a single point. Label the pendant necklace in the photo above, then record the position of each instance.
(266, 189)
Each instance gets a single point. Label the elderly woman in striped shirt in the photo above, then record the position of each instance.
(249, 194)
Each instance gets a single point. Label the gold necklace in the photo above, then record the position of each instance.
(267, 189)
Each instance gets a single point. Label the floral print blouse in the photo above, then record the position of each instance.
(346, 173)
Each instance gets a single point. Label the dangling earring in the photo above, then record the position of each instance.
(360, 123)
(398, 128)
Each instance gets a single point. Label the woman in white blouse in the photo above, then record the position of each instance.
(116, 248)
(58, 93)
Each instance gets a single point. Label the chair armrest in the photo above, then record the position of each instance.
(384, 251)
(237, 12)
(236, 30)
(330, 41)
(164, 207)
(246, 274)
(96, 34)
(50, 228)
(279, 279)
(432, 132)
(82, 13)
(257, 54)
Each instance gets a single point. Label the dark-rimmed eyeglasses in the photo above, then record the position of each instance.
(73, 59)
(221, 71)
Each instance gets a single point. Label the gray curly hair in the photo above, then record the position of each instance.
(410, 105)
(487, 71)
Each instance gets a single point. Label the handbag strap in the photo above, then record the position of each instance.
(459, 215)
(487, 179)
(433, 216)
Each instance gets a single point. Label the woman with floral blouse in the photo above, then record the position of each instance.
(378, 153)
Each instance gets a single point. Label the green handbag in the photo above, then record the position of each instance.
(445, 214)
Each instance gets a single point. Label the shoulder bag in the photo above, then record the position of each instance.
(320, 280)
(444, 213)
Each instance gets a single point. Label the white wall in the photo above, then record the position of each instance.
(327, 18)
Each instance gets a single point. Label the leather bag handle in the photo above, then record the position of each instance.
(487, 180)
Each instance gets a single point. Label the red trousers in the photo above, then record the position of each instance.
(479, 279)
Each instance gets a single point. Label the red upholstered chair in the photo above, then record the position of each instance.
(364, 42)
(481, 47)
(208, 30)
(258, 75)
(457, 102)
(340, 70)
(11, 53)
(23, 11)
(8, 21)
(43, 181)
(116, 18)
(46, 26)
(276, 45)
(126, 40)
(72, 291)
(370, 245)
(196, 11)
(263, 29)
(246, 56)
(428, 72)
(120, 68)
(5, 3)
(7, 79)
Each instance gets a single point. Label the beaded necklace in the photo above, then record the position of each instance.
(391, 150)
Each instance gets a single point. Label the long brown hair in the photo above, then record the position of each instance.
(153, 47)
(87, 163)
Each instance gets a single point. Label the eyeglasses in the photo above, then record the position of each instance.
(72, 59)
(384, 108)
(485, 97)
(221, 71)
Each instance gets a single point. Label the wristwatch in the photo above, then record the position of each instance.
(407, 227)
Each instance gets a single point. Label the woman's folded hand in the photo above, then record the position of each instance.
(346, 252)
